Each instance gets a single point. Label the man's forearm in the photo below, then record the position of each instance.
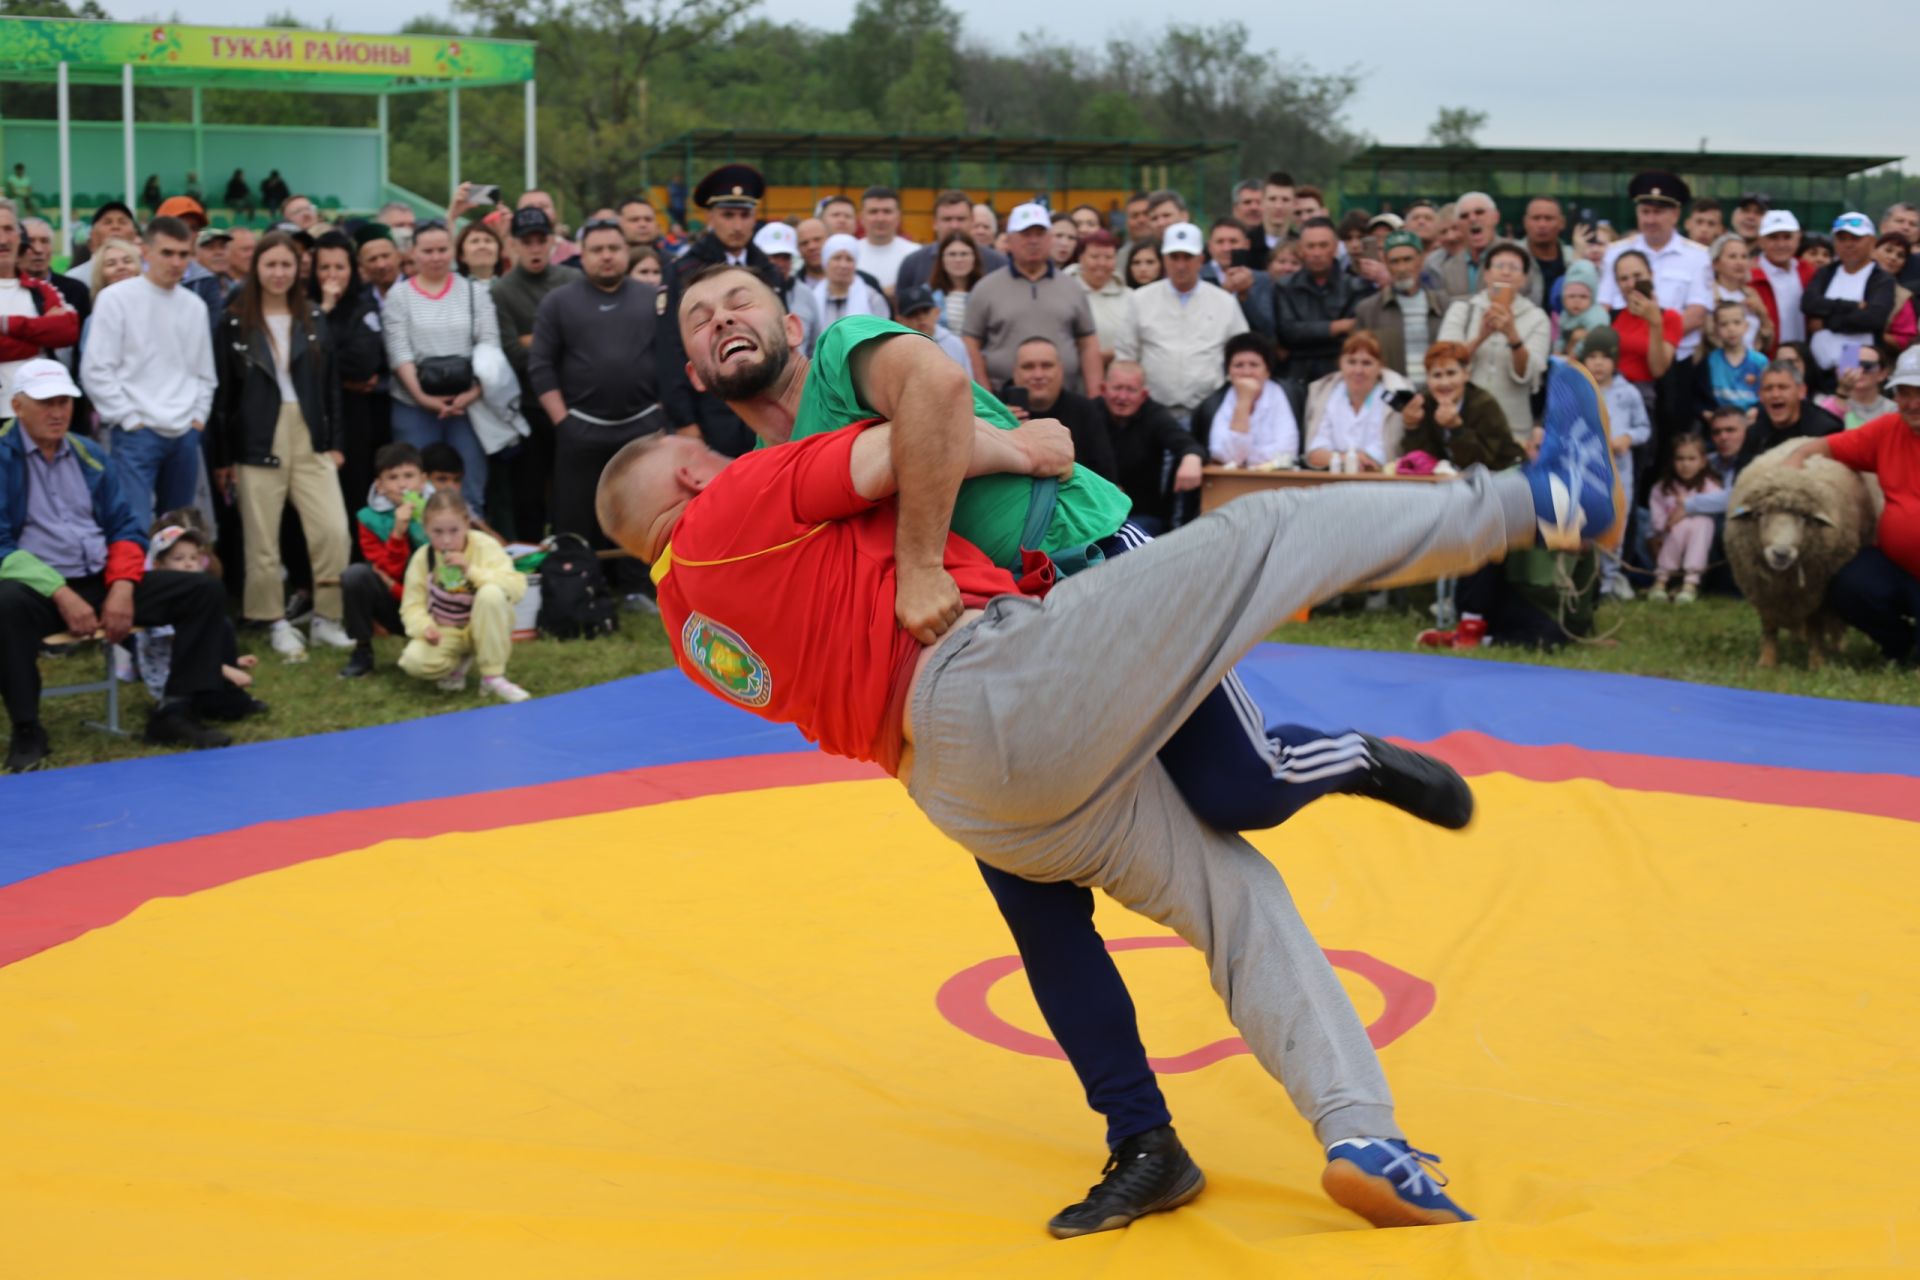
(555, 404)
(930, 459)
(992, 451)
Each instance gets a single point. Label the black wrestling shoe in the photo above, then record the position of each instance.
(28, 748)
(173, 725)
(1427, 788)
(1146, 1173)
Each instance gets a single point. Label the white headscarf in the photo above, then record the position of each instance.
(860, 300)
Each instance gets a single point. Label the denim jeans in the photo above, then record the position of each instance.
(157, 472)
(419, 428)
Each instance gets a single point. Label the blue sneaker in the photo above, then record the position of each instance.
(1389, 1183)
(1576, 490)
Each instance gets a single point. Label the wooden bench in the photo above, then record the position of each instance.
(109, 685)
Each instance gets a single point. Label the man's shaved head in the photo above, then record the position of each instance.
(646, 487)
(732, 309)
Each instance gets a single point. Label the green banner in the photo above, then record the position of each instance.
(28, 43)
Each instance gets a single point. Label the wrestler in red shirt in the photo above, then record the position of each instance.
(756, 632)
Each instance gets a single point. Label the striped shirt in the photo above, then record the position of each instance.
(416, 324)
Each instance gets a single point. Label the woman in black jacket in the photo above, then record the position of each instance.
(276, 435)
(359, 360)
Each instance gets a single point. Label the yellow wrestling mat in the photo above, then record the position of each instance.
(1670, 1036)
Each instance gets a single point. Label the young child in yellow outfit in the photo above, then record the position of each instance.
(457, 603)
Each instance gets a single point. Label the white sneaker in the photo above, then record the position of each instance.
(286, 642)
(457, 681)
(502, 688)
(1620, 588)
(328, 631)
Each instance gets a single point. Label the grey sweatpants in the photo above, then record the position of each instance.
(1035, 729)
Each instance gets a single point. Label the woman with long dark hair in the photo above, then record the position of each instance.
(359, 360)
(276, 437)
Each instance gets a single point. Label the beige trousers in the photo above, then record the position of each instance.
(488, 636)
(313, 482)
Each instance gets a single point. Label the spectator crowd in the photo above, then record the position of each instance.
(351, 423)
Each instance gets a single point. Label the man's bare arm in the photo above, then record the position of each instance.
(915, 386)
(1043, 447)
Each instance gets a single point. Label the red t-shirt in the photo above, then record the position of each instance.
(1890, 449)
(777, 591)
(1632, 364)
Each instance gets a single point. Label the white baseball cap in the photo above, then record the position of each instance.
(1774, 220)
(777, 238)
(1028, 215)
(1183, 237)
(1853, 224)
(42, 380)
(1906, 370)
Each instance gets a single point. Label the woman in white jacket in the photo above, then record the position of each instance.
(1507, 335)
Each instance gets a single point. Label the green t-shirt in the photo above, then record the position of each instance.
(991, 511)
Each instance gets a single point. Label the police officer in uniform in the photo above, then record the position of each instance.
(731, 197)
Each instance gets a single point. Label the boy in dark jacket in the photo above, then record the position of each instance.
(388, 529)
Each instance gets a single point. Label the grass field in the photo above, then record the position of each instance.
(1712, 642)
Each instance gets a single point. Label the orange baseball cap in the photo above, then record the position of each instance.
(185, 208)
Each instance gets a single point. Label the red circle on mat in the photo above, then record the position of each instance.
(962, 1000)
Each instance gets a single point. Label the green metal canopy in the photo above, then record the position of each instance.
(67, 51)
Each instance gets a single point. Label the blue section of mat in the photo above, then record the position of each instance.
(70, 815)
(1422, 697)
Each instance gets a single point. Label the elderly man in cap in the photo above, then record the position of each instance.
(1779, 275)
(1181, 326)
(1029, 298)
(1878, 590)
(1682, 270)
(517, 296)
(73, 559)
(781, 243)
(731, 196)
(1848, 302)
(1405, 316)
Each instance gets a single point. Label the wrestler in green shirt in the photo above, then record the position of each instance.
(991, 511)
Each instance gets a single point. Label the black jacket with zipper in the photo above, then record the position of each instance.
(246, 410)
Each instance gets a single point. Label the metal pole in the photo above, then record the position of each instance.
(126, 125)
(383, 147)
(453, 143)
(200, 149)
(66, 161)
(533, 143)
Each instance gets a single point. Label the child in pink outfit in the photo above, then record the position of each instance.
(1684, 541)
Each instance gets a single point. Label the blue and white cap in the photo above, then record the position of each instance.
(1854, 224)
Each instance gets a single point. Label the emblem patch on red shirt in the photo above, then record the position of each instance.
(727, 661)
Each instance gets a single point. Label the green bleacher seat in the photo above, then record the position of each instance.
(329, 202)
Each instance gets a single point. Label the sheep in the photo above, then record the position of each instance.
(1788, 532)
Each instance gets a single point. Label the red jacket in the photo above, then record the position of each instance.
(1764, 287)
(29, 337)
(390, 554)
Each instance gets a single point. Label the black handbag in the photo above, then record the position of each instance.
(449, 375)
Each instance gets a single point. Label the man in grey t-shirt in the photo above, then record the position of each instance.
(1029, 299)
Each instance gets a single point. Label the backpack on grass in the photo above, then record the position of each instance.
(574, 598)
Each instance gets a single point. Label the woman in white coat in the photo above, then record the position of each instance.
(1507, 335)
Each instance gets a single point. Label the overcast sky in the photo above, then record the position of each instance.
(1661, 76)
